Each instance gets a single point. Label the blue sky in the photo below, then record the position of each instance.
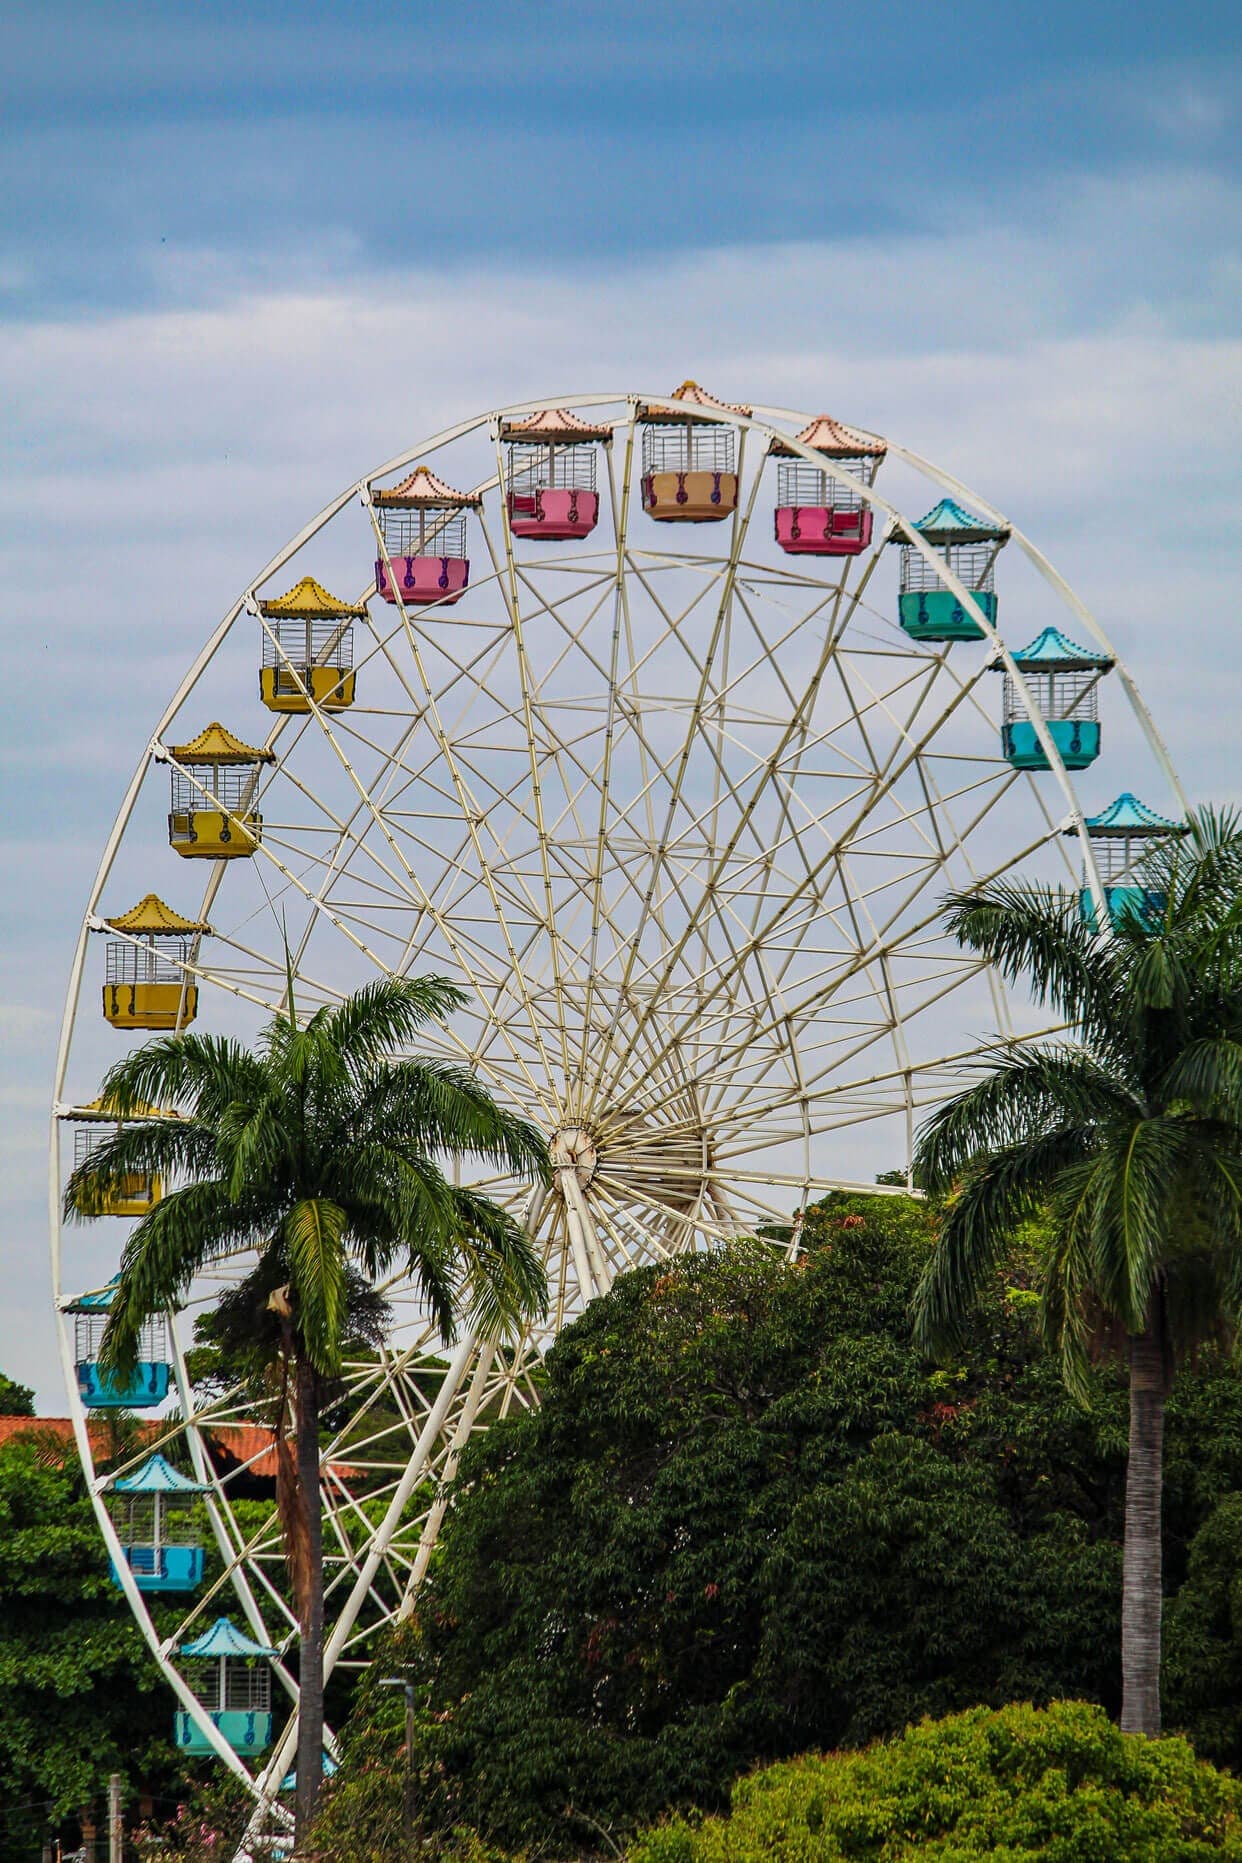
(247, 252)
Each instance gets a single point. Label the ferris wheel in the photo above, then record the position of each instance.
(662, 725)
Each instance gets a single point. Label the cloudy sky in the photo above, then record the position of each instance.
(250, 251)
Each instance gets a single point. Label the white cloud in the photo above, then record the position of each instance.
(163, 456)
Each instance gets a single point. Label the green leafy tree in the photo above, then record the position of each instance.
(746, 1519)
(1130, 1134)
(16, 1400)
(79, 1696)
(1057, 1783)
(316, 1150)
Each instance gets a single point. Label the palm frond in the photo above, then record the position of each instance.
(164, 1148)
(1022, 1093)
(1036, 935)
(313, 1234)
(386, 1016)
(197, 1073)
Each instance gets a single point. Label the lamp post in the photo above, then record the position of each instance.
(400, 1681)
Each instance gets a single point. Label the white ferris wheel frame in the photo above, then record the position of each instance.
(471, 1364)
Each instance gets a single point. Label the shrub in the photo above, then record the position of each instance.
(1061, 1783)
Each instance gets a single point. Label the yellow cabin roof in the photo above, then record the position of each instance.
(104, 1109)
(308, 600)
(151, 915)
(216, 745)
(423, 488)
(689, 398)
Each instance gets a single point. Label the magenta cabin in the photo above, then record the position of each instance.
(550, 490)
(422, 523)
(818, 512)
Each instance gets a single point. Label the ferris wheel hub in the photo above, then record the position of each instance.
(573, 1149)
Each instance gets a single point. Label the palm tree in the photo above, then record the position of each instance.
(1128, 1133)
(322, 1152)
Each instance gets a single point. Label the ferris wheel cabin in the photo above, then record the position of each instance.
(550, 489)
(968, 546)
(423, 524)
(1124, 837)
(689, 458)
(147, 1384)
(134, 1193)
(308, 649)
(1063, 681)
(231, 1677)
(157, 1514)
(818, 514)
(148, 983)
(215, 779)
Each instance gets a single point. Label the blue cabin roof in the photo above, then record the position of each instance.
(156, 1476)
(224, 1639)
(97, 1301)
(1052, 649)
(949, 522)
(1128, 816)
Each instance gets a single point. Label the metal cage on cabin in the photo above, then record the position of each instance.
(422, 530)
(297, 646)
(149, 1521)
(229, 787)
(974, 565)
(553, 466)
(89, 1329)
(147, 962)
(811, 488)
(688, 446)
(231, 1684)
(1069, 693)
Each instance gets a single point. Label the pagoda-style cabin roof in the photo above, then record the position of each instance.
(834, 440)
(157, 1476)
(308, 600)
(152, 918)
(422, 490)
(103, 1111)
(556, 426)
(224, 1639)
(1053, 652)
(1127, 817)
(98, 1300)
(689, 405)
(949, 522)
(216, 745)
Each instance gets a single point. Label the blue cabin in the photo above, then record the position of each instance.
(158, 1520)
(969, 547)
(1062, 680)
(232, 1678)
(146, 1386)
(1123, 838)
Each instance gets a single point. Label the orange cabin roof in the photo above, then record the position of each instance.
(688, 397)
(423, 489)
(216, 745)
(153, 917)
(554, 424)
(308, 600)
(834, 439)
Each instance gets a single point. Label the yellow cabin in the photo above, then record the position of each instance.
(689, 458)
(147, 982)
(215, 781)
(136, 1192)
(308, 649)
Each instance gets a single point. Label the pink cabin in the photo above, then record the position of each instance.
(423, 524)
(817, 513)
(550, 491)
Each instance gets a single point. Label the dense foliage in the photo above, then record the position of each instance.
(16, 1400)
(1061, 1783)
(749, 1520)
(80, 1697)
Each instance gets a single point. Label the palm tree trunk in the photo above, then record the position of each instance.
(310, 1666)
(1141, 1592)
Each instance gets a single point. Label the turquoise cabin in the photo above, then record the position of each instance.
(1063, 681)
(968, 546)
(232, 1678)
(1123, 837)
(158, 1519)
(147, 1385)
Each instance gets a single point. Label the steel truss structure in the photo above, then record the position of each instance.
(679, 812)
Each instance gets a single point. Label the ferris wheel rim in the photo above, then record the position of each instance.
(760, 422)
